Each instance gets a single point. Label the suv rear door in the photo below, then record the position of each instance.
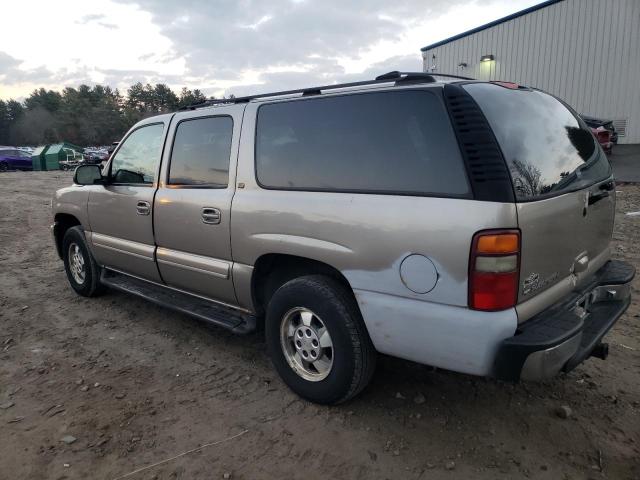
(192, 209)
(563, 188)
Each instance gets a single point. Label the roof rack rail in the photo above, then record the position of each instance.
(400, 78)
(408, 76)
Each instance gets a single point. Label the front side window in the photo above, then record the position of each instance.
(547, 150)
(384, 142)
(137, 160)
(201, 152)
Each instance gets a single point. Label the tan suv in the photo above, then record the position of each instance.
(455, 223)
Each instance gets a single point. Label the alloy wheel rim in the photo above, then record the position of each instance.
(306, 344)
(76, 263)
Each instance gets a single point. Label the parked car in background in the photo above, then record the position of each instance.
(111, 148)
(596, 123)
(74, 158)
(29, 150)
(404, 217)
(95, 155)
(11, 158)
(604, 138)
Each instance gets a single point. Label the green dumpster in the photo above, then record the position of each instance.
(57, 153)
(37, 158)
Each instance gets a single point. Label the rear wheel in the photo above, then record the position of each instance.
(317, 340)
(82, 270)
(4, 166)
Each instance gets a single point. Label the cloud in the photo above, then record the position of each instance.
(11, 73)
(146, 56)
(97, 19)
(324, 72)
(248, 46)
(223, 40)
(7, 63)
(116, 77)
(94, 17)
(110, 26)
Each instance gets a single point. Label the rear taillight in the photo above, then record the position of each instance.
(494, 269)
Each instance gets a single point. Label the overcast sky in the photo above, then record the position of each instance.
(224, 46)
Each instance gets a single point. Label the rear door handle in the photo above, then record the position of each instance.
(211, 216)
(143, 208)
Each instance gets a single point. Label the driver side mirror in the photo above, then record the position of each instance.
(88, 175)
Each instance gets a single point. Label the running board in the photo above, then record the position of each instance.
(207, 310)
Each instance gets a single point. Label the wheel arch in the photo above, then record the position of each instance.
(62, 223)
(272, 270)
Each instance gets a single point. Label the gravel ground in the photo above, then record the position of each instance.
(98, 388)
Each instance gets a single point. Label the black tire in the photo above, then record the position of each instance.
(4, 166)
(353, 354)
(90, 286)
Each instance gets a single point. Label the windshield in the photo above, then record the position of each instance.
(547, 150)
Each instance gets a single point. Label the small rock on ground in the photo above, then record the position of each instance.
(68, 439)
(419, 399)
(564, 411)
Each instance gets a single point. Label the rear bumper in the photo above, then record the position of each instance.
(564, 335)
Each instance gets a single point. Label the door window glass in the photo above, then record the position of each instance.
(201, 152)
(137, 160)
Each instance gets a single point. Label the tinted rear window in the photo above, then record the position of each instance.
(387, 142)
(548, 152)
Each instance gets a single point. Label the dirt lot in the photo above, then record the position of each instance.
(135, 384)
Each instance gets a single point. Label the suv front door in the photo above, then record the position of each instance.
(120, 212)
(192, 209)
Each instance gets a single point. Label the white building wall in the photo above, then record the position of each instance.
(586, 52)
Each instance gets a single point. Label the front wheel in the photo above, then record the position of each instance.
(82, 270)
(4, 166)
(317, 340)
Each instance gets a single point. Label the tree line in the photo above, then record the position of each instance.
(86, 115)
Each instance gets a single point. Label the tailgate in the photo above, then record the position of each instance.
(564, 240)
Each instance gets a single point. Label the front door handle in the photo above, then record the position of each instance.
(143, 208)
(211, 216)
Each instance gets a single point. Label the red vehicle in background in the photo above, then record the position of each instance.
(604, 138)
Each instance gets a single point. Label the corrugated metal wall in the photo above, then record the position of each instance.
(586, 52)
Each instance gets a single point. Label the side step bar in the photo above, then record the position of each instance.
(209, 311)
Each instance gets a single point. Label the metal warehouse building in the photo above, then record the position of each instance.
(586, 52)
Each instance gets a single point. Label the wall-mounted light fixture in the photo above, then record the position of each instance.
(487, 58)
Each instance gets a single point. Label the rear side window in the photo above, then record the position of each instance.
(387, 142)
(201, 152)
(547, 150)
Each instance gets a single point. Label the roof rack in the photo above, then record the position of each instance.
(400, 78)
